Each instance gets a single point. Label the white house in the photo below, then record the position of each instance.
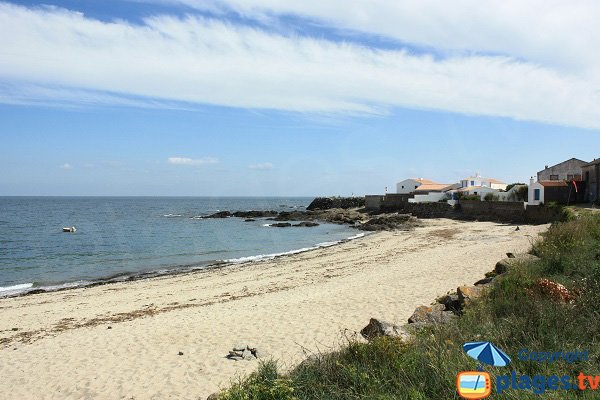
(410, 185)
(536, 193)
(479, 181)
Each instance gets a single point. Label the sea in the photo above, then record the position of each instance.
(125, 238)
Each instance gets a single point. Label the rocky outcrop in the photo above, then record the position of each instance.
(307, 224)
(389, 222)
(244, 352)
(435, 314)
(326, 203)
(255, 214)
(512, 261)
(377, 328)
(466, 294)
(281, 225)
(220, 214)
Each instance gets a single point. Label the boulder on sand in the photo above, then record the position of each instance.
(378, 328)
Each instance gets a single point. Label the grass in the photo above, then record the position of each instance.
(513, 316)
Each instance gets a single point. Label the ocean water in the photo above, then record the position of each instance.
(127, 237)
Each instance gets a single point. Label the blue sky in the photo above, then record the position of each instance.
(195, 97)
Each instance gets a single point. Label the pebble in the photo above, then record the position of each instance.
(181, 353)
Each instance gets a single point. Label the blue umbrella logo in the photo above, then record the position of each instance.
(487, 353)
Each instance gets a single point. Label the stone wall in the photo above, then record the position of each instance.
(510, 212)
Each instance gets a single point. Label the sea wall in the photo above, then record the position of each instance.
(512, 212)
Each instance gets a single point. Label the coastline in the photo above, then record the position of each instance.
(28, 289)
(288, 306)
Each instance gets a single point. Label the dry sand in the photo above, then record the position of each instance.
(63, 348)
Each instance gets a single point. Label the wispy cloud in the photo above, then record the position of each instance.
(195, 60)
(191, 161)
(66, 166)
(261, 167)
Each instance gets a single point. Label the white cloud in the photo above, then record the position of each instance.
(261, 166)
(191, 161)
(66, 166)
(549, 32)
(204, 61)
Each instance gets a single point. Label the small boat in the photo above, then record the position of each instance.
(70, 229)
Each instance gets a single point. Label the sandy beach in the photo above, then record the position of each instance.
(59, 345)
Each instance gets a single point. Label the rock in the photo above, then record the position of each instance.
(388, 222)
(381, 328)
(109, 327)
(239, 347)
(436, 314)
(259, 353)
(180, 353)
(506, 264)
(247, 355)
(484, 281)
(518, 229)
(255, 214)
(249, 220)
(214, 396)
(281, 225)
(220, 214)
(14, 329)
(451, 302)
(307, 224)
(235, 358)
(326, 203)
(510, 255)
(466, 294)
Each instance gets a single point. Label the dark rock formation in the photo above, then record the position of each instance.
(388, 222)
(326, 203)
(281, 225)
(255, 214)
(307, 224)
(220, 214)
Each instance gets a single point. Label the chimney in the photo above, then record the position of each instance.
(531, 181)
(546, 167)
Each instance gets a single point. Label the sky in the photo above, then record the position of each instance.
(279, 98)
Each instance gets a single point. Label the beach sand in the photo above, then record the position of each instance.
(63, 347)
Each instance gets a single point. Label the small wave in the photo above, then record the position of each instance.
(266, 225)
(172, 215)
(9, 290)
(357, 236)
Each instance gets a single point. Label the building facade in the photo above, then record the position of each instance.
(591, 177)
(569, 170)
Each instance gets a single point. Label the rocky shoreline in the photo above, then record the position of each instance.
(357, 218)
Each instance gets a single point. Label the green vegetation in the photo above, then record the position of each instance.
(514, 315)
(491, 197)
(474, 197)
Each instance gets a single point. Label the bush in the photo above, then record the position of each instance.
(491, 197)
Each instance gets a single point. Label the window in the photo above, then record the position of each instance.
(553, 177)
(416, 186)
(472, 183)
(536, 194)
(569, 177)
(402, 186)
